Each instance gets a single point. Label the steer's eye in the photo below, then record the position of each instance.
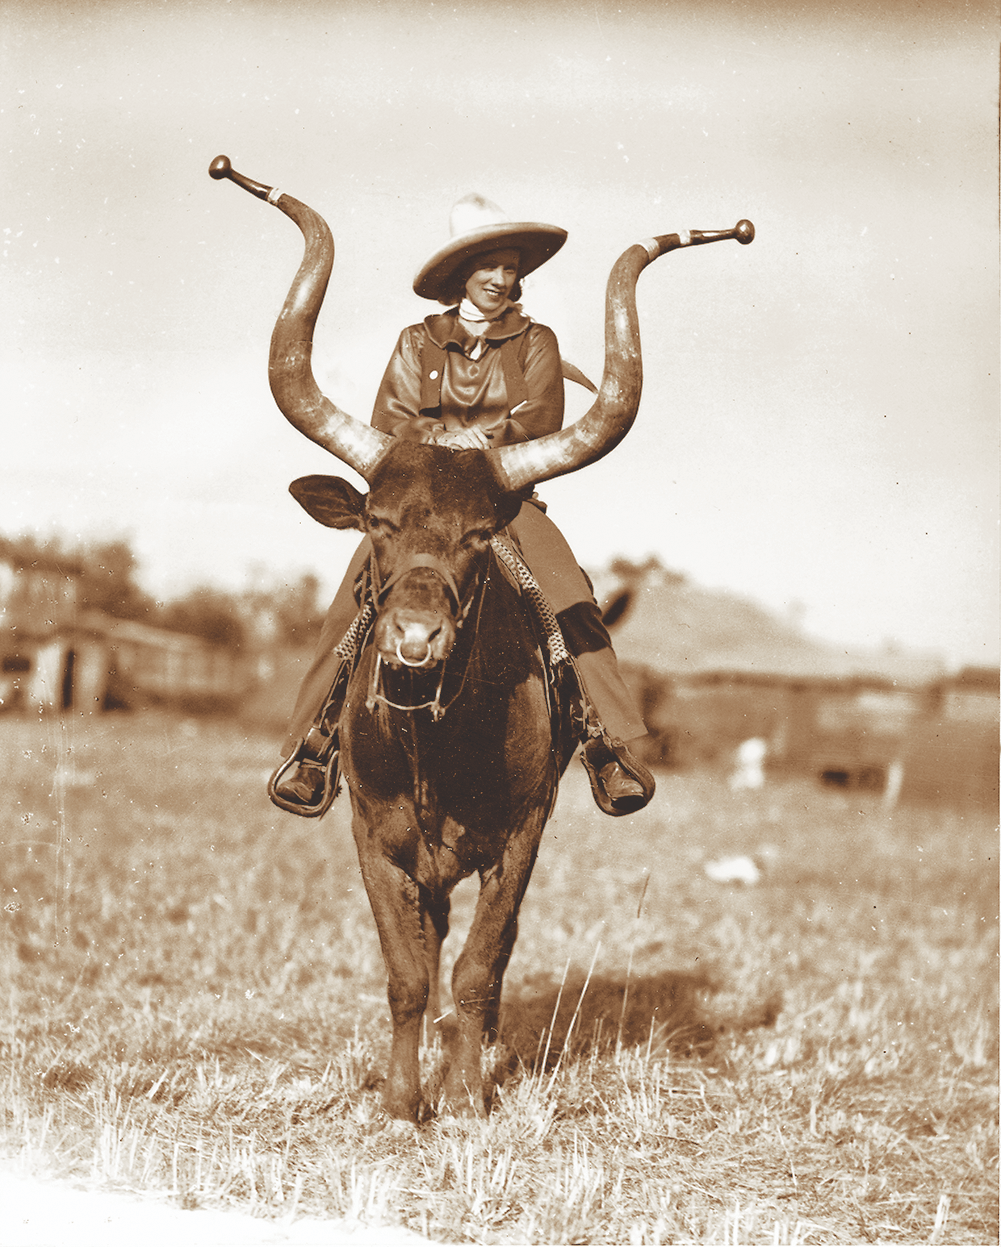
(379, 524)
(477, 537)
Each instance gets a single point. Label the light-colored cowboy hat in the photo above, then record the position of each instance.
(476, 225)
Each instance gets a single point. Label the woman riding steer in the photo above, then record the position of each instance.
(483, 375)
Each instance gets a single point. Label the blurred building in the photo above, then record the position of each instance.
(952, 751)
(56, 656)
(713, 671)
(38, 609)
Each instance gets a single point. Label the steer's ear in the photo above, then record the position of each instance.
(329, 500)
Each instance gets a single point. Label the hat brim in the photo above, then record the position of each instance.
(536, 243)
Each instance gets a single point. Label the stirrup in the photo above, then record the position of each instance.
(596, 754)
(319, 747)
(331, 782)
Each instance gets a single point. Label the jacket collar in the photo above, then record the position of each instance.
(444, 327)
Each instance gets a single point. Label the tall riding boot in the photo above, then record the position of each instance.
(620, 783)
(570, 594)
(305, 782)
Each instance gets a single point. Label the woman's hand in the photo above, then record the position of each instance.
(464, 439)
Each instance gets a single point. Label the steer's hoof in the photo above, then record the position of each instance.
(390, 1127)
(395, 1128)
(454, 1123)
(463, 1108)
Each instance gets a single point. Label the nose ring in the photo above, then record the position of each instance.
(424, 662)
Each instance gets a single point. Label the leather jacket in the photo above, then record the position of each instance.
(473, 391)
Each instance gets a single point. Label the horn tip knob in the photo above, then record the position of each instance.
(743, 230)
(220, 167)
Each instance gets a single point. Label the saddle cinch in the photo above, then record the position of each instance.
(572, 717)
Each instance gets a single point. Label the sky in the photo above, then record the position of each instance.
(819, 423)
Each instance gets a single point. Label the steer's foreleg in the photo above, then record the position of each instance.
(396, 905)
(478, 977)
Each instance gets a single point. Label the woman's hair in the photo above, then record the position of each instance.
(453, 290)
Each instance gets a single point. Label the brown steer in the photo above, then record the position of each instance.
(446, 743)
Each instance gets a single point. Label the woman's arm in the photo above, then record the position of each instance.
(542, 411)
(397, 405)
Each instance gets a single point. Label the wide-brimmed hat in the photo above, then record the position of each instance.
(477, 225)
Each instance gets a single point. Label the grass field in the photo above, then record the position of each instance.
(193, 999)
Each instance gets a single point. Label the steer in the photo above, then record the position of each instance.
(437, 798)
(447, 746)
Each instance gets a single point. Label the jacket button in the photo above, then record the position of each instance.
(433, 374)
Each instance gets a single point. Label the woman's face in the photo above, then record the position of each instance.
(489, 285)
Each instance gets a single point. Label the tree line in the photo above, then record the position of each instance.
(281, 612)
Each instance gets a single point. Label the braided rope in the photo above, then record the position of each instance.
(348, 647)
(537, 599)
(346, 653)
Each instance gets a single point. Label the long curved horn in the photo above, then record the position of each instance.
(290, 369)
(614, 410)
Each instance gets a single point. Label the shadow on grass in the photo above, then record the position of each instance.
(667, 1012)
(545, 1021)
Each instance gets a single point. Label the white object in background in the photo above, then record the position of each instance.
(750, 759)
(733, 870)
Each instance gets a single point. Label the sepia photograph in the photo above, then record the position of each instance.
(499, 622)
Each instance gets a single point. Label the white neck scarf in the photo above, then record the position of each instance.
(479, 322)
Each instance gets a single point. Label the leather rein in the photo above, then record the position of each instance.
(463, 607)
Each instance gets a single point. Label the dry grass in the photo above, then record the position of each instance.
(193, 999)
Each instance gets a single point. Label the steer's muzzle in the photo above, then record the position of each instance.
(408, 636)
(418, 615)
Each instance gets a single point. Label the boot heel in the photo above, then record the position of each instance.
(608, 758)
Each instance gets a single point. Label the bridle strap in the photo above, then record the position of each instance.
(409, 564)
